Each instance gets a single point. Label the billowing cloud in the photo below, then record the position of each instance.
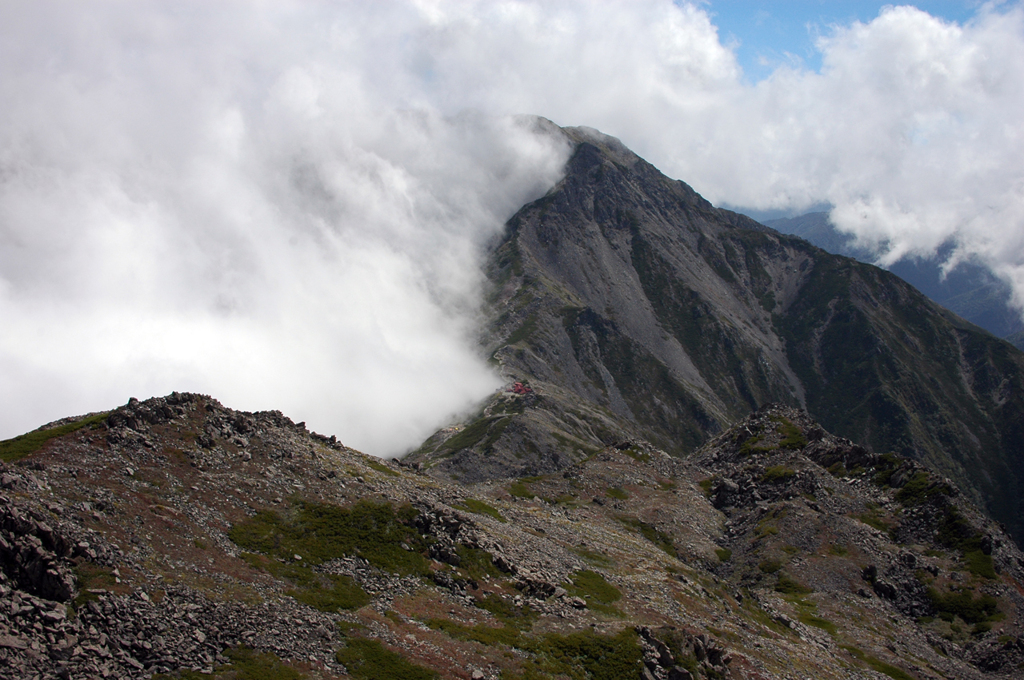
(191, 204)
(285, 204)
(911, 129)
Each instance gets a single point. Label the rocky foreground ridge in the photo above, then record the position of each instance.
(177, 538)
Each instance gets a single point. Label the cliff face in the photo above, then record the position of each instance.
(633, 307)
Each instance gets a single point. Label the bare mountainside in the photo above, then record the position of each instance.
(628, 303)
(176, 538)
(969, 289)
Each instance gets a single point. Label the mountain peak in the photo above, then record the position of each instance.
(635, 308)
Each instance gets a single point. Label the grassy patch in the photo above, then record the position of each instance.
(520, 618)
(787, 585)
(324, 592)
(525, 330)
(957, 533)
(91, 576)
(963, 604)
(920, 490)
(652, 534)
(381, 467)
(585, 655)
(319, 532)
(811, 619)
(873, 519)
(30, 442)
(724, 554)
(838, 550)
(792, 437)
(370, 660)
(484, 431)
(980, 564)
(249, 664)
(340, 592)
(638, 455)
(616, 492)
(485, 635)
(807, 614)
(767, 525)
(778, 473)
(593, 557)
(879, 665)
(837, 469)
(592, 587)
(480, 508)
(751, 446)
(520, 490)
(476, 563)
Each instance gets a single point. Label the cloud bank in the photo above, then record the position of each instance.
(284, 204)
(187, 203)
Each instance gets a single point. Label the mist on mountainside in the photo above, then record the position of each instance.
(287, 205)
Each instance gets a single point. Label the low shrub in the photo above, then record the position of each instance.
(652, 534)
(478, 507)
(789, 586)
(370, 660)
(30, 442)
(964, 605)
(778, 473)
(616, 492)
(319, 532)
(595, 589)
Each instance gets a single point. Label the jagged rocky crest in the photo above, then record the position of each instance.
(176, 536)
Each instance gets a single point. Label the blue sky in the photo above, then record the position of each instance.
(769, 34)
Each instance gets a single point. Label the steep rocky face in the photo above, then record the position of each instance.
(633, 307)
(969, 290)
(175, 536)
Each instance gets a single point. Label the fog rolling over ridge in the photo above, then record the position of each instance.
(280, 240)
(286, 205)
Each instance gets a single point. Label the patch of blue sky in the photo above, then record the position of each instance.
(766, 35)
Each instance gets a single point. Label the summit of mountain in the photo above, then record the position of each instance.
(633, 308)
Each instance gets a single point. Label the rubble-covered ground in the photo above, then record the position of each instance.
(176, 538)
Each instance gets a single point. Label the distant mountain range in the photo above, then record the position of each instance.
(635, 308)
(969, 290)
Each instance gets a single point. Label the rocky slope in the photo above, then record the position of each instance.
(175, 536)
(970, 290)
(628, 303)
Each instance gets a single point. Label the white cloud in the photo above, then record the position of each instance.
(283, 203)
(188, 203)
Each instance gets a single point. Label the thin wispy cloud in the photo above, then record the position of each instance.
(285, 204)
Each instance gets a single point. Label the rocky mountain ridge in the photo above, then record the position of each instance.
(175, 538)
(628, 303)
